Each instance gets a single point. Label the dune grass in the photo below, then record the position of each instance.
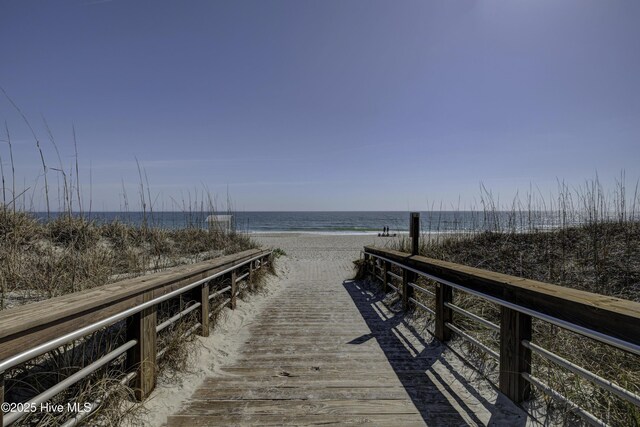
(65, 250)
(594, 246)
(40, 260)
(69, 253)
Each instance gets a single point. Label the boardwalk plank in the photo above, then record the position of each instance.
(309, 360)
(325, 352)
(296, 420)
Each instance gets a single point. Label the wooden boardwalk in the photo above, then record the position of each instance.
(326, 352)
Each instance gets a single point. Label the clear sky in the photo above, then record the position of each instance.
(323, 105)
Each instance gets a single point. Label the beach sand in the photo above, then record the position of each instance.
(473, 397)
(327, 246)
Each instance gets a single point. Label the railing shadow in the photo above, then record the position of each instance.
(413, 359)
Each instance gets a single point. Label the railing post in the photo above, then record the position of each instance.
(414, 232)
(514, 357)
(234, 289)
(372, 268)
(142, 357)
(444, 294)
(385, 269)
(407, 291)
(366, 265)
(372, 271)
(203, 299)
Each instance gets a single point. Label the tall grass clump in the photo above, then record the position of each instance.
(68, 249)
(40, 260)
(585, 238)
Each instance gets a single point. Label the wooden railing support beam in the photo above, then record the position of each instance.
(514, 357)
(366, 260)
(444, 314)
(611, 317)
(234, 289)
(142, 357)
(385, 268)
(202, 296)
(414, 231)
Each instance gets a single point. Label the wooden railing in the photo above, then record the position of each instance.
(30, 331)
(613, 321)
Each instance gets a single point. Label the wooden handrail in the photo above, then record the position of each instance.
(611, 316)
(33, 324)
(28, 331)
(611, 320)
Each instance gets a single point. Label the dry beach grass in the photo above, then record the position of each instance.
(593, 245)
(40, 260)
(43, 260)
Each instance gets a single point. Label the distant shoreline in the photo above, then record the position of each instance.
(339, 223)
(321, 233)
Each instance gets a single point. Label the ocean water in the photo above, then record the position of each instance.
(367, 222)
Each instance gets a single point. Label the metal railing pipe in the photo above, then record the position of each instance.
(424, 307)
(598, 336)
(423, 290)
(475, 317)
(72, 422)
(12, 417)
(588, 375)
(221, 291)
(587, 416)
(394, 275)
(472, 340)
(177, 317)
(57, 342)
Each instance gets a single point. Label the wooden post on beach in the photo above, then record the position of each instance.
(202, 296)
(444, 314)
(367, 266)
(385, 275)
(251, 269)
(142, 357)
(373, 269)
(234, 289)
(414, 232)
(514, 357)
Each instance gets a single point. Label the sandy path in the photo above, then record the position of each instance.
(325, 248)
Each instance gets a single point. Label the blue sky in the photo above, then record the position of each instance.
(323, 105)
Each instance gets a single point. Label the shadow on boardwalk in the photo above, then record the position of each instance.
(423, 370)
